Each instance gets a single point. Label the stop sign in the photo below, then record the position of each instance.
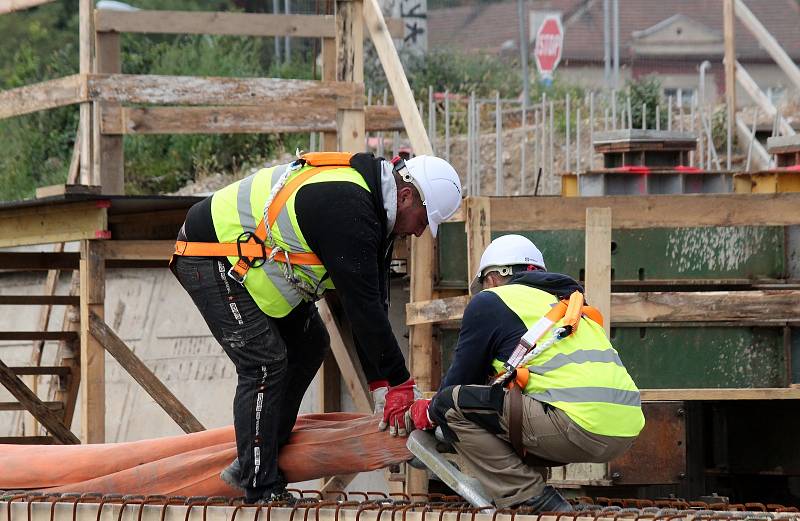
(549, 42)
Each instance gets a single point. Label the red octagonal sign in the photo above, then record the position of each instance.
(549, 42)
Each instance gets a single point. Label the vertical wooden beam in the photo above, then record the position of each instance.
(478, 227)
(598, 262)
(93, 289)
(86, 40)
(108, 153)
(395, 76)
(730, 74)
(329, 141)
(350, 67)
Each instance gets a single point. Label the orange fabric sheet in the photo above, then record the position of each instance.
(321, 445)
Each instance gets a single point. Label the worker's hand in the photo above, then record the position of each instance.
(398, 400)
(417, 416)
(378, 389)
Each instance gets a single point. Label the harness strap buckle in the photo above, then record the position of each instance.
(235, 275)
(252, 262)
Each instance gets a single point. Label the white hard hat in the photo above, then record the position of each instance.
(440, 187)
(508, 250)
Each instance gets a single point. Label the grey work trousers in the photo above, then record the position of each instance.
(474, 418)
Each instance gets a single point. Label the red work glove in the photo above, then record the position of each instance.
(398, 400)
(378, 389)
(417, 416)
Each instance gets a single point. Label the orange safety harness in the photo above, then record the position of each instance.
(251, 247)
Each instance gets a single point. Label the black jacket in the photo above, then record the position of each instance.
(489, 329)
(346, 228)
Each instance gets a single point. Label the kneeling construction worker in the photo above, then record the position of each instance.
(254, 257)
(569, 399)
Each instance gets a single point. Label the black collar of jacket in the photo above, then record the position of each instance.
(561, 286)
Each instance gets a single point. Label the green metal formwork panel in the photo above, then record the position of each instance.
(689, 357)
(703, 357)
(743, 252)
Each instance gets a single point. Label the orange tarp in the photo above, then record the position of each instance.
(189, 465)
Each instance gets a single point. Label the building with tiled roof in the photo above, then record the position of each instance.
(669, 38)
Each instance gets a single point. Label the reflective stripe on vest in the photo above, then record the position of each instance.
(582, 374)
(239, 207)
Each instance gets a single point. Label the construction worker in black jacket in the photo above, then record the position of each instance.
(569, 399)
(254, 257)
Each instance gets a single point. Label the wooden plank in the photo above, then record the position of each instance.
(352, 375)
(221, 23)
(659, 211)
(422, 248)
(138, 250)
(730, 75)
(38, 300)
(598, 262)
(85, 53)
(52, 223)
(329, 139)
(191, 90)
(66, 189)
(10, 6)
(92, 357)
(26, 440)
(17, 406)
(768, 42)
(41, 370)
(436, 310)
(732, 307)
(37, 335)
(479, 232)
(41, 96)
(108, 167)
(395, 76)
(18, 260)
(272, 117)
(143, 375)
(35, 406)
(69, 355)
(775, 306)
(350, 124)
(766, 393)
(764, 103)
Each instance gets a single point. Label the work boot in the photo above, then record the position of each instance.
(232, 475)
(550, 500)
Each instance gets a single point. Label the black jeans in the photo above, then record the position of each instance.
(275, 360)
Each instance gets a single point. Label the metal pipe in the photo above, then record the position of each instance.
(287, 44)
(607, 43)
(552, 146)
(658, 117)
(591, 129)
(566, 152)
(614, 109)
(524, 145)
(478, 173)
(523, 50)
(752, 138)
(669, 113)
(447, 125)
(630, 112)
(644, 116)
(615, 14)
(431, 119)
(276, 9)
(577, 140)
(498, 145)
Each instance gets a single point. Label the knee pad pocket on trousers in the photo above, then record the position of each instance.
(441, 403)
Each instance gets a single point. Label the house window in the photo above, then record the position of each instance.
(681, 97)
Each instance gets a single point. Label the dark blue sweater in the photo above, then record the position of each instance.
(489, 329)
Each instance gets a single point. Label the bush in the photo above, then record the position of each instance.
(646, 90)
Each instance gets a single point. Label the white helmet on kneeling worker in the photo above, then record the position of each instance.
(503, 254)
